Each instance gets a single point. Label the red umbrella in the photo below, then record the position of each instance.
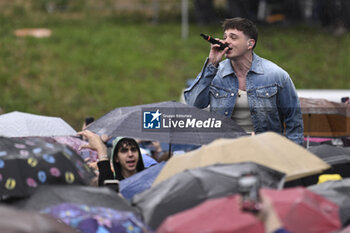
(214, 215)
(299, 209)
(302, 210)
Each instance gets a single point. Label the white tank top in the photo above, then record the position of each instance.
(241, 113)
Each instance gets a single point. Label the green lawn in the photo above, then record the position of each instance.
(93, 64)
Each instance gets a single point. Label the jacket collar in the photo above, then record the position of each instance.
(256, 66)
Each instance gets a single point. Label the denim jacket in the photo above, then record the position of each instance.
(272, 97)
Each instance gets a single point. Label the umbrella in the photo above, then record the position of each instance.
(334, 190)
(140, 181)
(26, 163)
(47, 196)
(97, 219)
(191, 187)
(13, 220)
(338, 192)
(269, 149)
(20, 124)
(325, 118)
(299, 209)
(337, 157)
(148, 161)
(75, 143)
(173, 123)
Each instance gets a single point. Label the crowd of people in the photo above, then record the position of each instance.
(256, 93)
(332, 15)
(234, 82)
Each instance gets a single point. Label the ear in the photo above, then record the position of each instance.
(251, 43)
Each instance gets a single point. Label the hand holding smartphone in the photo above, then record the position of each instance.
(248, 187)
(112, 184)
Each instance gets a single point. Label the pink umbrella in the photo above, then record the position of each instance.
(300, 210)
(75, 143)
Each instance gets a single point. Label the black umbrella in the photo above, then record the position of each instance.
(337, 157)
(50, 195)
(170, 122)
(191, 187)
(26, 163)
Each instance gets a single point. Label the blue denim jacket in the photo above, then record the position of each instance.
(272, 97)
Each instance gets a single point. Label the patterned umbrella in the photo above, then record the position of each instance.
(14, 220)
(90, 219)
(26, 163)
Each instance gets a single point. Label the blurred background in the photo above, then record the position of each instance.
(78, 58)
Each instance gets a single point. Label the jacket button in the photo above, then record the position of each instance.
(226, 113)
(232, 94)
(267, 94)
(217, 94)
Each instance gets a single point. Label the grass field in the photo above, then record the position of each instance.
(94, 63)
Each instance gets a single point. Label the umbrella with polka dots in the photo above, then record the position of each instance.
(26, 163)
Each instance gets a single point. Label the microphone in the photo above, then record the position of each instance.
(214, 41)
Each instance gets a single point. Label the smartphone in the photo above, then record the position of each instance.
(112, 184)
(248, 188)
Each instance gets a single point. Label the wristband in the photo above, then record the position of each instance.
(102, 157)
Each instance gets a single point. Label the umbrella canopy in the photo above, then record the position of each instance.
(325, 118)
(269, 149)
(334, 190)
(12, 221)
(20, 124)
(191, 187)
(299, 209)
(338, 192)
(170, 122)
(75, 143)
(97, 219)
(47, 196)
(337, 157)
(140, 181)
(26, 163)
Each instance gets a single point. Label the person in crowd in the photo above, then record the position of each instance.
(125, 158)
(255, 92)
(87, 122)
(243, 8)
(334, 15)
(205, 12)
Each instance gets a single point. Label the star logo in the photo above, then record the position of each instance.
(156, 115)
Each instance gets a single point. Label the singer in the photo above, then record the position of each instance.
(258, 94)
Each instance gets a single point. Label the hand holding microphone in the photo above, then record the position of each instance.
(214, 41)
(216, 53)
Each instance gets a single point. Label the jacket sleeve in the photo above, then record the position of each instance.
(105, 172)
(291, 112)
(198, 93)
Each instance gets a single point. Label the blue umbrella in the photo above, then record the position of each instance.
(148, 161)
(140, 181)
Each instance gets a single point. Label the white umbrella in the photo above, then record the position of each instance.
(20, 124)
